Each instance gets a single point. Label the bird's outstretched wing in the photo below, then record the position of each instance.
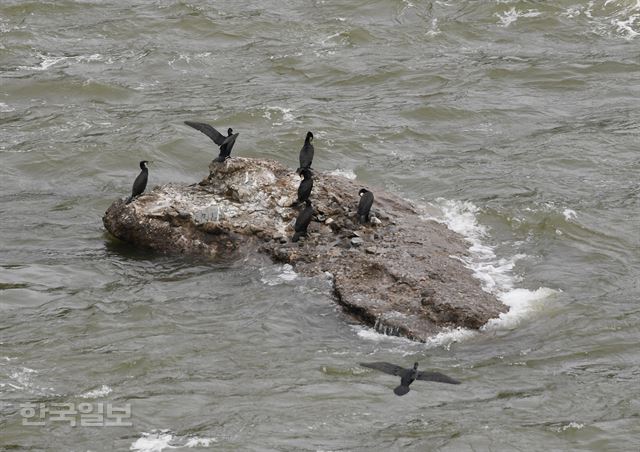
(387, 368)
(436, 376)
(209, 131)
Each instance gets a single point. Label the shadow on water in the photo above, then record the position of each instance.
(116, 248)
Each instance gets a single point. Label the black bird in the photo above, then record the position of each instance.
(364, 206)
(306, 185)
(141, 181)
(408, 376)
(306, 153)
(302, 222)
(225, 143)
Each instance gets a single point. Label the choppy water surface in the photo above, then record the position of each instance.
(516, 122)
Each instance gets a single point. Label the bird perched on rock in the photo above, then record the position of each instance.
(141, 181)
(306, 185)
(225, 143)
(306, 153)
(364, 206)
(302, 222)
(408, 376)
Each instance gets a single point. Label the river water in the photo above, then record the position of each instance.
(516, 122)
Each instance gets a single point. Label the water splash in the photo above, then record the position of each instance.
(495, 274)
(96, 393)
(346, 173)
(158, 440)
(509, 17)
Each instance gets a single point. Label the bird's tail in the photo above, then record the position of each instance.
(129, 199)
(296, 237)
(362, 219)
(401, 390)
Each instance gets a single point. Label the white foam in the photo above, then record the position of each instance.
(625, 27)
(449, 336)
(287, 273)
(330, 37)
(147, 84)
(278, 275)
(615, 17)
(155, 441)
(370, 334)
(572, 11)
(49, 61)
(443, 339)
(158, 440)
(46, 63)
(569, 214)
(22, 379)
(200, 442)
(4, 108)
(508, 17)
(434, 31)
(181, 57)
(93, 57)
(570, 425)
(287, 116)
(22, 376)
(346, 173)
(99, 392)
(494, 273)
(575, 425)
(521, 302)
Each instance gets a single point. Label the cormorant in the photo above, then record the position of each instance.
(306, 184)
(140, 183)
(225, 143)
(408, 376)
(306, 153)
(364, 206)
(302, 222)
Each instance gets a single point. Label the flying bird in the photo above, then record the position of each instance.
(408, 376)
(306, 153)
(225, 143)
(140, 183)
(302, 222)
(364, 206)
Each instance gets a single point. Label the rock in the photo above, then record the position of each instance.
(410, 285)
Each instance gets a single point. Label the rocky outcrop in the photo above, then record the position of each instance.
(399, 274)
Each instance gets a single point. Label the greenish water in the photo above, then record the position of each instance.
(517, 122)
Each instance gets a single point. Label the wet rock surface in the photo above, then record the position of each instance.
(400, 273)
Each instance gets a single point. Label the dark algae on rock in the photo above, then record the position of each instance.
(396, 274)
